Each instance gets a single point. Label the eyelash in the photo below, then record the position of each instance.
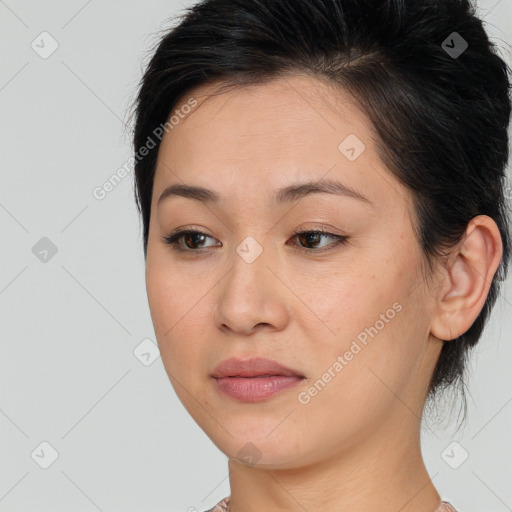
(174, 238)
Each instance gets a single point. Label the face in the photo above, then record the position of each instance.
(344, 304)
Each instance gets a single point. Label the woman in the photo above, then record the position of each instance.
(325, 231)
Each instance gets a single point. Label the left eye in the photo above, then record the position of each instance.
(312, 237)
(192, 237)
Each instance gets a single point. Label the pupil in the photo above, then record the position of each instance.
(312, 237)
(192, 235)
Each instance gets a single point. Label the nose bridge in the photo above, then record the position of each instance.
(247, 295)
(249, 264)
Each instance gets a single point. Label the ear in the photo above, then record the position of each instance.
(467, 279)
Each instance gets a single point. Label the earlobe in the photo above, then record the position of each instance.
(467, 279)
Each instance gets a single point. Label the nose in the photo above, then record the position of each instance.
(251, 296)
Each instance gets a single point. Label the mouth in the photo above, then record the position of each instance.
(254, 380)
(257, 388)
(253, 376)
(253, 368)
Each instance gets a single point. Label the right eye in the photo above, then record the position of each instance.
(190, 238)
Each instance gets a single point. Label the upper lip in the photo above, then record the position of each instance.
(253, 367)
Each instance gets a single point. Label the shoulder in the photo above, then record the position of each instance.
(446, 507)
(222, 506)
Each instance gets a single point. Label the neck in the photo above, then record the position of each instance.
(384, 472)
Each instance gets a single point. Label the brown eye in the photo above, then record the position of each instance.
(307, 238)
(191, 239)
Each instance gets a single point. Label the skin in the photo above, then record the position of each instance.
(357, 441)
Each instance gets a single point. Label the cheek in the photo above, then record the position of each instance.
(162, 302)
(178, 315)
(169, 295)
(368, 321)
(357, 384)
(341, 304)
(165, 306)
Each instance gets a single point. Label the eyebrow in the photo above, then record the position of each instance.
(281, 196)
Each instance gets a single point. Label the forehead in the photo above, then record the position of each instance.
(269, 135)
(284, 115)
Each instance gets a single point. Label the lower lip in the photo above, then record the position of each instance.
(255, 389)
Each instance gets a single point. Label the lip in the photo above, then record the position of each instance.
(255, 389)
(253, 367)
(255, 379)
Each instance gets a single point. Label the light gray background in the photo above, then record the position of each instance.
(68, 373)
